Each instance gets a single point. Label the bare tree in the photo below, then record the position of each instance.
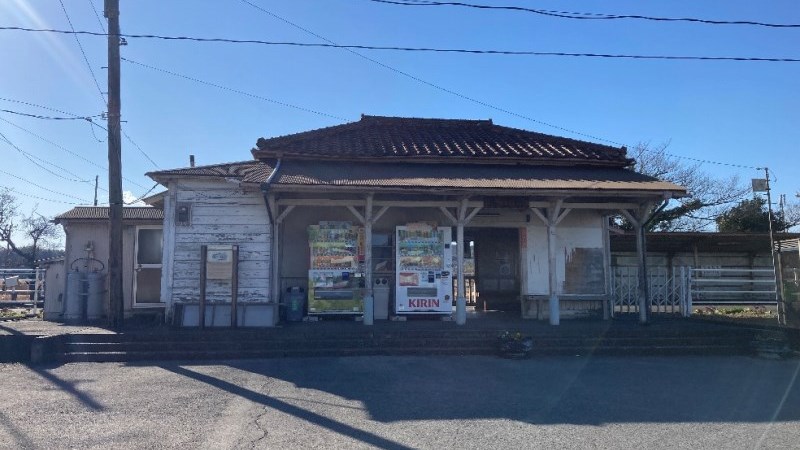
(709, 196)
(36, 229)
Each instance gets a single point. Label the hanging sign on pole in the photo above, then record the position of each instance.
(760, 185)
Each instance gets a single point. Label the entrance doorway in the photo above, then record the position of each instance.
(497, 275)
(147, 266)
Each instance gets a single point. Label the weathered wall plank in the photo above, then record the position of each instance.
(221, 213)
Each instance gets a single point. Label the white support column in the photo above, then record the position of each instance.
(554, 216)
(553, 301)
(461, 297)
(275, 258)
(638, 219)
(369, 306)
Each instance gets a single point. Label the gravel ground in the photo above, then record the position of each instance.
(405, 402)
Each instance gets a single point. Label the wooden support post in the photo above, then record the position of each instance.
(461, 300)
(235, 287)
(369, 306)
(555, 215)
(644, 289)
(202, 307)
(638, 219)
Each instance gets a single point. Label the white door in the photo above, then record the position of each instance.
(147, 266)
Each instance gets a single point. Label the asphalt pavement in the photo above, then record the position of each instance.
(405, 402)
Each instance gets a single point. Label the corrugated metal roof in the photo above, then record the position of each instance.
(240, 170)
(101, 213)
(416, 138)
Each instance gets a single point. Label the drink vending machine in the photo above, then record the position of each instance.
(335, 282)
(424, 279)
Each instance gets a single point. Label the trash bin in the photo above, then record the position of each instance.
(380, 296)
(295, 303)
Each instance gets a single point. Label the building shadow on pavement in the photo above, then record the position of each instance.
(557, 390)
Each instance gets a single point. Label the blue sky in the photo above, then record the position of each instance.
(740, 113)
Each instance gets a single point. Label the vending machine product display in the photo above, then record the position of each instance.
(424, 281)
(335, 281)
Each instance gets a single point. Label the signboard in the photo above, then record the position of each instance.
(759, 185)
(219, 262)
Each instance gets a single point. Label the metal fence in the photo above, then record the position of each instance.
(733, 286)
(668, 288)
(675, 290)
(21, 286)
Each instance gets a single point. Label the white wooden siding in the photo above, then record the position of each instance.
(221, 213)
(579, 230)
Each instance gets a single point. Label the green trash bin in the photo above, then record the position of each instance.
(295, 303)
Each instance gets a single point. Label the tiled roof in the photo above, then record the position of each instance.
(397, 175)
(243, 170)
(467, 176)
(438, 139)
(101, 213)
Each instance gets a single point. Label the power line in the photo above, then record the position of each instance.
(61, 147)
(11, 189)
(93, 123)
(37, 116)
(85, 58)
(142, 196)
(237, 91)
(421, 49)
(428, 83)
(465, 97)
(39, 186)
(591, 16)
(97, 16)
(32, 159)
(140, 149)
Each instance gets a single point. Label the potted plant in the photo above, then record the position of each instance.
(514, 345)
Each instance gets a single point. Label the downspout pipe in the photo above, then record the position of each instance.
(655, 213)
(265, 189)
(271, 214)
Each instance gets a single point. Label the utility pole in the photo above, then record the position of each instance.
(96, 180)
(775, 267)
(116, 304)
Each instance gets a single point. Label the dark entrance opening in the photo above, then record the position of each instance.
(496, 274)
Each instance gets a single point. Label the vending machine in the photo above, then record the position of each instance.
(424, 279)
(335, 276)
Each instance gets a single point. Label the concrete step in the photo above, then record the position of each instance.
(173, 355)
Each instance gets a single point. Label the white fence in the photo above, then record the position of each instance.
(733, 286)
(21, 286)
(675, 290)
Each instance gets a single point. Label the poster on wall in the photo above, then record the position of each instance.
(335, 275)
(424, 265)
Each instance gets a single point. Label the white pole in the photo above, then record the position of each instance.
(36, 285)
(461, 301)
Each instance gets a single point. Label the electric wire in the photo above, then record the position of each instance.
(33, 160)
(471, 99)
(237, 91)
(422, 49)
(85, 58)
(37, 116)
(61, 147)
(40, 186)
(591, 16)
(139, 148)
(428, 83)
(142, 196)
(36, 197)
(97, 16)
